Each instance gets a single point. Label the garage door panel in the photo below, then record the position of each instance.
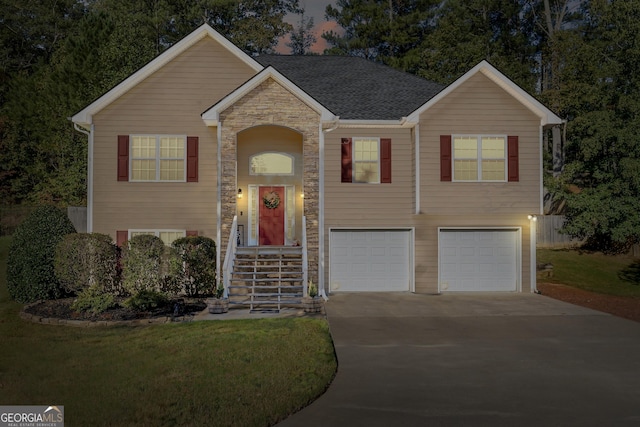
(478, 260)
(369, 260)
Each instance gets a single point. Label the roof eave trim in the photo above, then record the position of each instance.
(85, 116)
(212, 116)
(355, 124)
(546, 116)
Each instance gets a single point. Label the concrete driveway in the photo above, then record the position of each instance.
(474, 360)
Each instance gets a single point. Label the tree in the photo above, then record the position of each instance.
(58, 56)
(387, 31)
(601, 89)
(302, 37)
(469, 31)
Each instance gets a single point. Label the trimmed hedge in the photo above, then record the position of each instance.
(196, 269)
(143, 262)
(87, 259)
(30, 263)
(93, 300)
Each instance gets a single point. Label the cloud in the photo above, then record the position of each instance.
(319, 46)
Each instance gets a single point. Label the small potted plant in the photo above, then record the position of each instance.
(312, 303)
(218, 304)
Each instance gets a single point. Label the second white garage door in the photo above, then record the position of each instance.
(369, 260)
(479, 260)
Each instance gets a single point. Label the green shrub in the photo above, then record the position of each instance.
(196, 266)
(146, 300)
(143, 257)
(93, 300)
(87, 259)
(30, 270)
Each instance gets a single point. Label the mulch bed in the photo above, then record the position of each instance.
(61, 309)
(626, 307)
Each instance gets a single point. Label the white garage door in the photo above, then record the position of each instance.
(369, 260)
(478, 260)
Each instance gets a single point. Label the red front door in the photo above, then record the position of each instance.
(271, 212)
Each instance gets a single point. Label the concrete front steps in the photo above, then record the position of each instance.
(267, 278)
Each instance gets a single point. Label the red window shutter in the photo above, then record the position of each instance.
(385, 161)
(123, 157)
(346, 160)
(512, 159)
(121, 237)
(192, 159)
(445, 158)
(192, 233)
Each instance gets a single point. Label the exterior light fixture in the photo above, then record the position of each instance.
(302, 195)
(239, 193)
(532, 218)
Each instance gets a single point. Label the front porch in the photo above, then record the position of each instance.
(265, 278)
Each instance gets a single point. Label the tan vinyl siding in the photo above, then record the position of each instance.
(169, 101)
(426, 246)
(361, 205)
(479, 107)
(370, 205)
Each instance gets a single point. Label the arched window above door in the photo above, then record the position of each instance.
(270, 163)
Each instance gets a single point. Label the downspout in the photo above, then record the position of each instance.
(417, 167)
(533, 221)
(89, 134)
(219, 196)
(321, 260)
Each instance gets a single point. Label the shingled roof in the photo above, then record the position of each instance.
(355, 88)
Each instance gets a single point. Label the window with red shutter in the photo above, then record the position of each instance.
(445, 158)
(346, 159)
(385, 161)
(123, 157)
(513, 160)
(487, 158)
(121, 237)
(366, 160)
(192, 159)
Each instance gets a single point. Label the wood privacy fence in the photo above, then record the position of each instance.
(548, 234)
(12, 215)
(78, 217)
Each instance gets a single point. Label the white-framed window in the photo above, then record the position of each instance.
(271, 163)
(479, 158)
(158, 158)
(167, 236)
(366, 160)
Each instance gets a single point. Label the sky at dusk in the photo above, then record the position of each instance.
(314, 9)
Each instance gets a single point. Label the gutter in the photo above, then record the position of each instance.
(89, 133)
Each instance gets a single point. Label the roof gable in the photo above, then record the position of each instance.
(212, 115)
(85, 116)
(547, 117)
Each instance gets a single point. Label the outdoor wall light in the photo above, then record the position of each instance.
(532, 218)
(302, 195)
(239, 193)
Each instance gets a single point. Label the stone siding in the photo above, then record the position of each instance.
(272, 104)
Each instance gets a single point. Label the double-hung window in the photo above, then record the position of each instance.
(158, 158)
(366, 160)
(479, 158)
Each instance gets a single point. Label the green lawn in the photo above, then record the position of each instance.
(240, 372)
(594, 272)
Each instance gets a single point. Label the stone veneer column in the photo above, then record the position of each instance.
(271, 104)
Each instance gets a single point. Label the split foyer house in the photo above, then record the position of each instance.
(385, 181)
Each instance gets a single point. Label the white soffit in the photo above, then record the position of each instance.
(85, 116)
(212, 115)
(547, 116)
